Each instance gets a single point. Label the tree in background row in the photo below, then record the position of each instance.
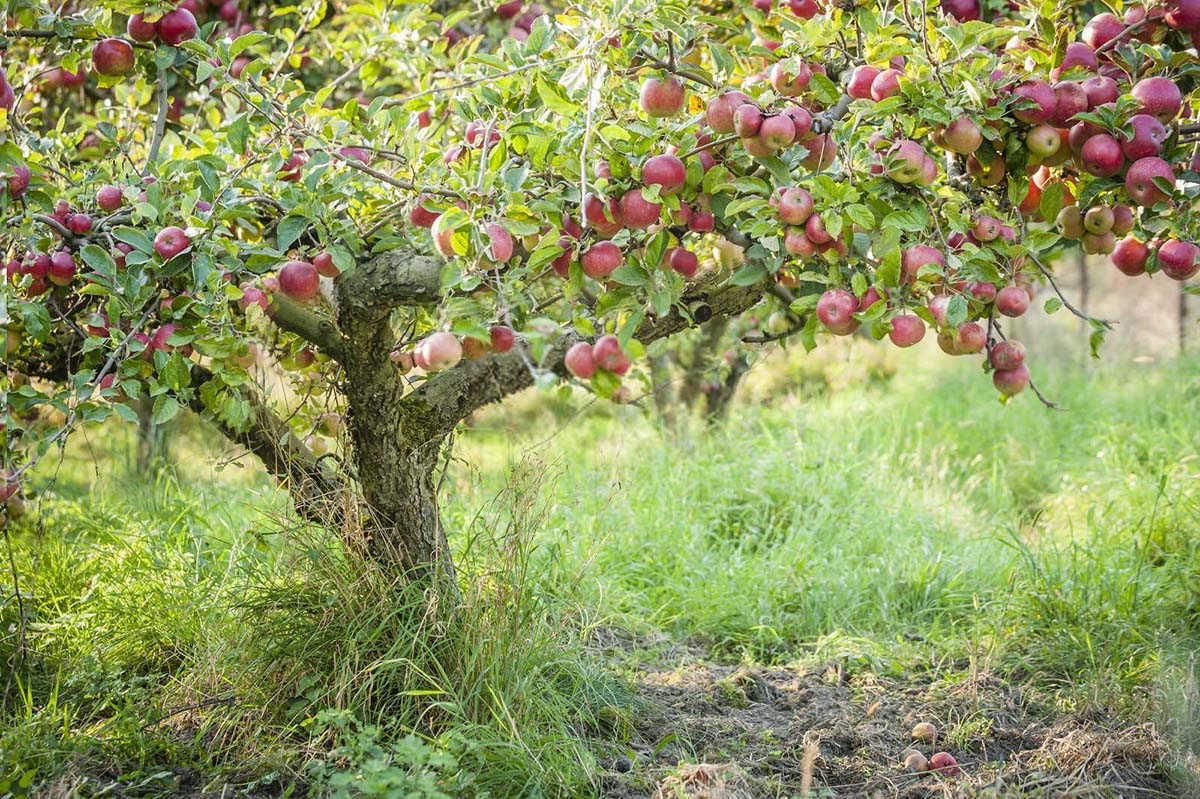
(400, 213)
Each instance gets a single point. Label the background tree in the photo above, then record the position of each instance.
(412, 211)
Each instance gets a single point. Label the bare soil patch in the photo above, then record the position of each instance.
(736, 732)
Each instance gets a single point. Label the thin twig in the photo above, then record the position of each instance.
(160, 123)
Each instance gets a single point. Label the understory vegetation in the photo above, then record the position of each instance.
(185, 635)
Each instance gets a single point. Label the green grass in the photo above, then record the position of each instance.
(911, 525)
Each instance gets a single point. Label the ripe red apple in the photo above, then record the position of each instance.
(981, 291)
(1139, 180)
(10, 484)
(962, 10)
(683, 261)
(1129, 256)
(795, 206)
(905, 161)
(1122, 219)
(986, 228)
(609, 357)
(970, 338)
(323, 261)
(637, 211)
(299, 280)
(1070, 99)
(1012, 301)
(796, 243)
(1076, 56)
(804, 9)
(666, 171)
(580, 360)
(18, 181)
(859, 85)
(1183, 15)
(140, 30)
(1007, 355)
(1102, 29)
(500, 243)
(719, 112)
(1159, 97)
(1178, 259)
(906, 330)
(747, 119)
(62, 268)
(112, 57)
(815, 230)
(1100, 90)
(422, 216)
(802, 120)
(177, 26)
(661, 97)
(1148, 137)
(917, 256)
(171, 241)
(441, 350)
(606, 221)
(109, 198)
(790, 81)
(502, 338)
(871, 296)
(701, 222)
(1008, 382)
(79, 223)
(1043, 100)
(835, 310)
(777, 132)
(1101, 156)
(601, 259)
(885, 84)
(822, 150)
(962, 136)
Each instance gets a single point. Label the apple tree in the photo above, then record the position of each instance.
(337, 229)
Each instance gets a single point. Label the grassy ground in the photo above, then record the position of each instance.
(779, 600)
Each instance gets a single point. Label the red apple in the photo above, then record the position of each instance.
(177, 26)
(1008, 382)
(140, 30)
(1043, 100)
(1159, 97)
(917, 256)
(171, 241)
(1012, 301)
(1101, 155)
(502, 338)
(859, 85)
(580, 360)
(719, 113)
(1129, 256)
(683, 261)
(441, 350)
(323, 261)
(1178, 259)
(661, 97)
(666, 171)
(601, 259)
(608, 354)
(637, 211)
(112, 57)
(906, 330)
(1148, 137)
(1007, 355)
(962, 136)
(109, 198)
(299, 280)
(1139, 180)
(835, 310)
(62, 268)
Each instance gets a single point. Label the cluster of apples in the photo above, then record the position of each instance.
(764, 133)
(940, 762)
(584, 359)
(441, 350)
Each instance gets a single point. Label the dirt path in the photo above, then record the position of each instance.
(725, 732)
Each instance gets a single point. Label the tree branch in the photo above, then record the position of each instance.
(310, 326)
(448, 397)
(319, 496)
(389, 280)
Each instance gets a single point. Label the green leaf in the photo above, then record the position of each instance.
(554, 99)
(99, 259)
(290, 228)
(1051, 202)
(1052, 305)
(165, 408)
(956, 310)
(176, 373)
(134, 238)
